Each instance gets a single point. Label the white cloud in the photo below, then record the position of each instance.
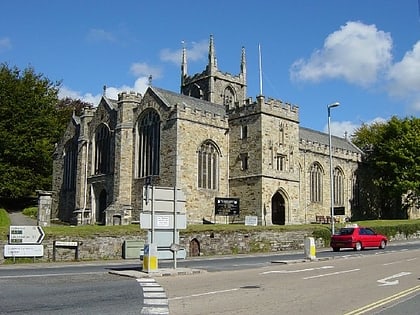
(5, 44)
(356, 53)
(404, 78)
(140, 86)
(143, 69)
(100, 35)
(343, 128)
(197, 51)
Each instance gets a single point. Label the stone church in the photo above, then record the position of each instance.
(211, 141)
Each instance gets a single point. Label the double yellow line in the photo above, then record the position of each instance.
(382, 302)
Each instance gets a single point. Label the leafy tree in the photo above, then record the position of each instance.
(390, 174)
(29, 128)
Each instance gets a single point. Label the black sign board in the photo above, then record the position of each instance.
(339, 210)
(226, 206)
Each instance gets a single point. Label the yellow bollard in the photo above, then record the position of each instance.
(150, 258)
(310, 249)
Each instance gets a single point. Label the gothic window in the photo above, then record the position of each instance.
(196, 91)
(355, 191)
(70, 165)
(208, 166)
(229, 97)
(281, 133)
(244, 161)
(316, 183)
(149, 144)
(338, 187)
(281, 162)
(102, 150)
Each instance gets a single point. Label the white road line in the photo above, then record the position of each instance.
(295, 271)
(154, 310)
(154, 297)
(331, 274)
(203, 294)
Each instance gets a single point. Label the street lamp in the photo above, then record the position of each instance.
(331, 165)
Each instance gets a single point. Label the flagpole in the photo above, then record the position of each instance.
(260, 65)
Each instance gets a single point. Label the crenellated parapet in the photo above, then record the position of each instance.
(182, 111)
(270, 106)
(323, 149)
(129, 96)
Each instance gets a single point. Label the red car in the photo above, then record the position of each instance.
(358, 238)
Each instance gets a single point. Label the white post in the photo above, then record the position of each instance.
(331, 166)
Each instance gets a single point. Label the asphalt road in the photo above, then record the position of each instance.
(248, 284)
(359, 284)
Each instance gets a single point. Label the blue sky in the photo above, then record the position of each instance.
(364, 54)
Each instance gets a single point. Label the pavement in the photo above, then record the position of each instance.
(18, 218)
(163, 272)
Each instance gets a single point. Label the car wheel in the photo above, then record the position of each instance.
(382, 245)
(336, 249)
(358, 246)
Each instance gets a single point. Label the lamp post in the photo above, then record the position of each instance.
(331, 165)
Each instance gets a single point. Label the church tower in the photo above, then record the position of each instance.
(213, 85)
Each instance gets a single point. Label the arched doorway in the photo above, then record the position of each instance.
(100, 215)
(278, 209)
(194, 248)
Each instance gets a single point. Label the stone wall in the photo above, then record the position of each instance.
(210, 243)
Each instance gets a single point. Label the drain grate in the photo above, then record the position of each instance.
(250, 287)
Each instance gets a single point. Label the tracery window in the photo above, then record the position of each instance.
(280, 162)
(102, 150)
(208, 166)
(70, 165)
(229, 97)
(316, 183)
(149, 144)
(338, 187)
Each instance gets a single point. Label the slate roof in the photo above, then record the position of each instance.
(322, 138)
(172, 98)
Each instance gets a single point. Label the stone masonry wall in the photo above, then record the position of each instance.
(211, 243)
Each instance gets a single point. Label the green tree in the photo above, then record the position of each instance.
(390, 174)
(30, 125)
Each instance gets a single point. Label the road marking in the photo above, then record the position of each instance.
(203, 294)
(382, 302)
(398, 261)
(155, 300)
(295, 271)
(331, 274)
(385, 281)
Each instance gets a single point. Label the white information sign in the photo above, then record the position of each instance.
(26, 234)
(251, 220)
(23, 250)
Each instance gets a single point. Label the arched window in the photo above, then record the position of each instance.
(316, 183)
(338, 187)
(229, 97)
(208, 166)
(102, 150)
(196, 91)
(149, 144)
(70, 165)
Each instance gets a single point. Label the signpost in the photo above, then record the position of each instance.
(26, 234)
(23, 250)
(226, 206)
(25, 241)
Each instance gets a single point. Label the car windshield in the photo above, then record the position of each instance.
(346, 231)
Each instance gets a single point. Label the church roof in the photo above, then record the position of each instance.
(172, 98)
(323, 138)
